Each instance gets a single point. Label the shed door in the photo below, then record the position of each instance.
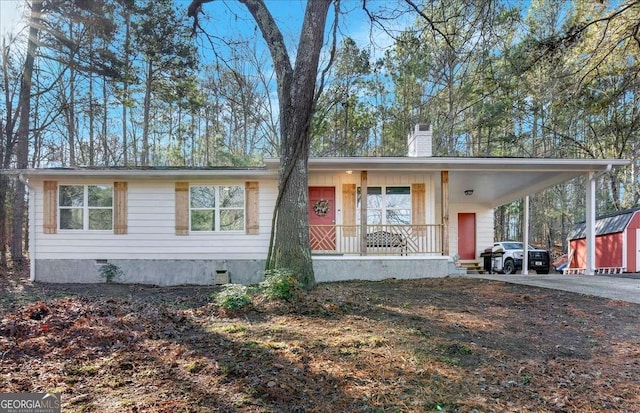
(467, 235)
(322, 218)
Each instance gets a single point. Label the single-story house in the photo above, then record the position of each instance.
(169, 226)
(617, 243)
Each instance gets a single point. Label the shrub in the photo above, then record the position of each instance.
(279, 284)
(233, 297)
(110, 272)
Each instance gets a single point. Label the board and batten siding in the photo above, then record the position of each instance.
(151, 232)
(484, 226)
(337, 180)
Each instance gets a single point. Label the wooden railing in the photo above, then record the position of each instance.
(378, 240)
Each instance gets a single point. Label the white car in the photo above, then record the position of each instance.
(508, 257)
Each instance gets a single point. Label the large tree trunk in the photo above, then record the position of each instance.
(147, 107)
(6, 153)
(22, 148)
(296, 93)
(289, 246)
(125, 84)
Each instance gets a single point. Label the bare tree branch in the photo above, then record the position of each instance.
(194, 9)
(429, 22)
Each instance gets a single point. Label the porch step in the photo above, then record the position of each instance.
(473, 267)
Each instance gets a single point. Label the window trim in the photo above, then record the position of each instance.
(217, 209)
(85, 208)
(383, 207)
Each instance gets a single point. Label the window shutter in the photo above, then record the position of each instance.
(120, 208)
(252, 190)
(182, 208)
(50, 207)
(418, 194)
(349, 210)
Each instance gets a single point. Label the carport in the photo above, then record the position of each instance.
(520, 177)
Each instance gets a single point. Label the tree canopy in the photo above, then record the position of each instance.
(141, 82)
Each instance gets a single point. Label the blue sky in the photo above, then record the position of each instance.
(229, 18)
(10, 14)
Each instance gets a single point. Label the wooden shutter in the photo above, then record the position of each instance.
(418, 199)
(182, 208)
(252, 190)
(349, 209)
(50, 206)
(120, 208)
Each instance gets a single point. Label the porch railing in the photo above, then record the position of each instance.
(378, 239)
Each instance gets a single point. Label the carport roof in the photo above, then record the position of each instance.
(494, 181)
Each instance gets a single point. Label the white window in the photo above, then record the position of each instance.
(389, 205)
(216, 208)
(85, 207)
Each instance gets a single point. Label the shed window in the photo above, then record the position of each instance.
(387, 205)
(85, 207)
(216, 208)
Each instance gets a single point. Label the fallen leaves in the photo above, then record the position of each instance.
(426, 345)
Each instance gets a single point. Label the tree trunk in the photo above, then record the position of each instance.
(92, 138)
(71, 105)
(6, 153)
(125, 85)
(296, 92)
(147, 107)
(22, 148)
(107, 154)
(289, 246)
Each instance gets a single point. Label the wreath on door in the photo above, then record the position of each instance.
(321, 207)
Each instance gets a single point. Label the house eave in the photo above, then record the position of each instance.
(455, 164)
(143, 174)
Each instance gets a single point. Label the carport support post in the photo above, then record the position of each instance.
(525, 233)
(363, 213)
(590, 224)
(444, 205)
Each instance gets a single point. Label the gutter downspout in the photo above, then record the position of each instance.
(32, 228)
(590, 222)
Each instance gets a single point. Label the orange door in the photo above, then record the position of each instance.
(322, 218)
(467, 236)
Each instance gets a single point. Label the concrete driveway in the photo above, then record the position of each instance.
(616, 288)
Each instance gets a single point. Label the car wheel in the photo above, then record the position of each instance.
(509, 267)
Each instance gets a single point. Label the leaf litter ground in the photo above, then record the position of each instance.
(448, 344)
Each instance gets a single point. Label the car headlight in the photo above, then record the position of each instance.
(518, 255)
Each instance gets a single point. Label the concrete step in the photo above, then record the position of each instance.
(473, 267)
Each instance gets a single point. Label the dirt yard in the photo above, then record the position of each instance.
(450, 345)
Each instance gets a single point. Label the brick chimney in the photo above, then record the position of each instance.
(419, 142)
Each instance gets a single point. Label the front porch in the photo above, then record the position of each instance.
(378, 252)
(377, 240)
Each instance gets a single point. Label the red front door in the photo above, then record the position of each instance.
(467, 236)
(322, 218)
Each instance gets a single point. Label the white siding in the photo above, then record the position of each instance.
(151, 221)
(484, 226)
(151, 228)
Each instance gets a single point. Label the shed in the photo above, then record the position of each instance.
(617, 242)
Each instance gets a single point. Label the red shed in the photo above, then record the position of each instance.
(617, 242)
